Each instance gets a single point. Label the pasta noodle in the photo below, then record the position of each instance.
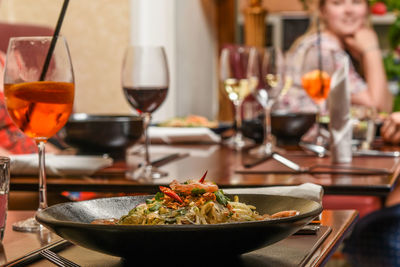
(193, 203)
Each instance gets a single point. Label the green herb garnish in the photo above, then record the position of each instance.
(155, 207)
(198, 191)
(158, 196)
(221, 198)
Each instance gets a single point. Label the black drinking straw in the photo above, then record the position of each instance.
(47, 61)
(320, 56)
(54, 40)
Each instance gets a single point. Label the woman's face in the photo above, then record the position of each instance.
(344, 17)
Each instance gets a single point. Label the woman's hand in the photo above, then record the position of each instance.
(363, 41)
(364, 47)
(390, 130)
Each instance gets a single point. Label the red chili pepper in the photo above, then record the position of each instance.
(170, 193)
(203, 178)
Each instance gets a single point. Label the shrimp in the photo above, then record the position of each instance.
(285, 213)
(186, 189)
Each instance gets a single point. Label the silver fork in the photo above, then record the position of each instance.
(57, 259)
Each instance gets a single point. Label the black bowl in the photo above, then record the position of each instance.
(288, 128)
(102, 134)
(72, 221)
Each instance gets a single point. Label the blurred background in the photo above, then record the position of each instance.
(191, 30)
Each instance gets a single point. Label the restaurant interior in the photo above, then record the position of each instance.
(256, 129)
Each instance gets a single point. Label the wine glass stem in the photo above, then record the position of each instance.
(267, 132)
(319, 137)
(238, 117)
(42, 177)
(146, 123)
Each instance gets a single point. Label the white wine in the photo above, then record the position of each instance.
(272, 80)
(239, 89)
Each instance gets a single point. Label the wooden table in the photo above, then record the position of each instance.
(222, 164)
(16, 244)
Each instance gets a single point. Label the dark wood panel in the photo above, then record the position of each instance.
(226, 33)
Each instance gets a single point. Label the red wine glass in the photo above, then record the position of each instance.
(145, 81)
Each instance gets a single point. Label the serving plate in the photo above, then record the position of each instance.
(72, 222)
(219, 129)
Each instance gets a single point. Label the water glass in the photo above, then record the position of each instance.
(363, 125)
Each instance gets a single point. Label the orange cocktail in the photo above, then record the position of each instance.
(40, 109)
(317, 85)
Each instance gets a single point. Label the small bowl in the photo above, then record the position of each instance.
(102, 134)
(288, 128)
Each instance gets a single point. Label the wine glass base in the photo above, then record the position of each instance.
(265, 150)
(29, 225)
(262, 151)
(147, 172)
(238, 143)
(317, 135)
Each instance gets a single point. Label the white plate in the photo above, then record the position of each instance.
(59, 165)
(171, 135)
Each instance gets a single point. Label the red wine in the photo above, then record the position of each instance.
(145, 99)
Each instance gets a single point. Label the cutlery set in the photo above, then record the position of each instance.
(36, 254)
(57, 259)
(321, 151)
(325, 168)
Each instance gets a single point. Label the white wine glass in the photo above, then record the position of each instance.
(39, 95)
(317, 69)
(239, 73)
(145, 81)
(273, 81)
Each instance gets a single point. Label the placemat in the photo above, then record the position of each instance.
(293, 251)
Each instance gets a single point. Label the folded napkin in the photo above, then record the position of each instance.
(307, 190)
(340, 124)
(59, 165)
(171, 135)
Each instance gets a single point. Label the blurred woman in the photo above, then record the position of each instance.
(345, 31)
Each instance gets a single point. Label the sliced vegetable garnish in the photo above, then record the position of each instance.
(221, 198)
(155, 207)
(198, 191)
(159, 196)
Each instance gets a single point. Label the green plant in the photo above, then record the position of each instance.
(392, 66)
(392, 5)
